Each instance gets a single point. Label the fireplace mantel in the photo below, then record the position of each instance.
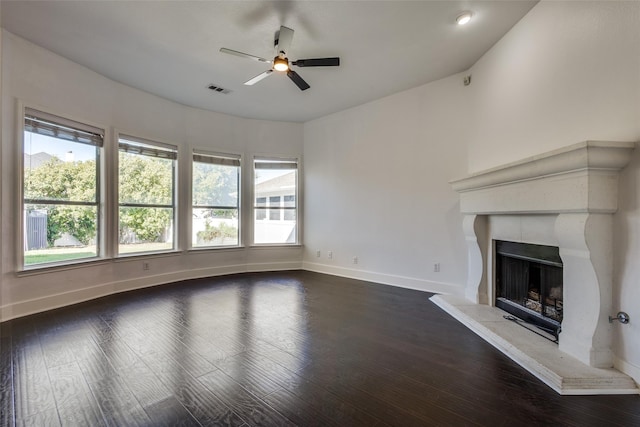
(579, 178)
(565, 198)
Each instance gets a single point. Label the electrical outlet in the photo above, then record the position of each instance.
(355, 259)
(145, 266)
(436, 267)
(318, 253)
(330, 254)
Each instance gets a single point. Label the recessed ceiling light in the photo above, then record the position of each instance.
(464, 18)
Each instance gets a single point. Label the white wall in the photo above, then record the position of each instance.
(40, 78)
(566, 73)
(376, 186)
(570, 72)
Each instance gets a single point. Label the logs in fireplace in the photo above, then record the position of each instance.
(529, 283)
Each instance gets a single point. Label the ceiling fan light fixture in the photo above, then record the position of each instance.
(280, 64)
(464, 18)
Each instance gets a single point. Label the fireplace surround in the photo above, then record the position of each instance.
(564, 198)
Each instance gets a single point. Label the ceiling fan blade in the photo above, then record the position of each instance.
(295, 77)
(317, 62)
(283, 40)
(244, 55)
(259, 77)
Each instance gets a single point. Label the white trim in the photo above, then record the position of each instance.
(177, 201)
(190, 206)
(299, 197)
(628, 368)
(110, 196)
(49, 302)
(102, 210)
(18, 185)
(386, 279)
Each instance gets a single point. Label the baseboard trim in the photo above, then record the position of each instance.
(50, 302)
(386, 279)
(627, 368)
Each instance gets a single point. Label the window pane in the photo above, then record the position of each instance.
(56, 169)
(215, 227)
(215, 185)
(145, 179)
(145, 229)
(56, 233)
(275, 183)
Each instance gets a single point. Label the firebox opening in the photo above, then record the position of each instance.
(529, 283)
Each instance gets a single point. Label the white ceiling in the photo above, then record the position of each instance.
(171, 48)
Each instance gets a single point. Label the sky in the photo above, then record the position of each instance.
(35, 143)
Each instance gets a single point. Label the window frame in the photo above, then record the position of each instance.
(297, 209)
(225, 158)
(68, 121)
(149, 146)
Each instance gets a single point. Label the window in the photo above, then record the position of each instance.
(146, 195)
(61, 189)
(215, 196)
(275, 195)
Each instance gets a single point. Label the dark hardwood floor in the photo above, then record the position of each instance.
(272, 349)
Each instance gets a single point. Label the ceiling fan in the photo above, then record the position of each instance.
(281, 63)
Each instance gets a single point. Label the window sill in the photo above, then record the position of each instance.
(52, 268)
(216, 249)
(275, 245)
(146, 255)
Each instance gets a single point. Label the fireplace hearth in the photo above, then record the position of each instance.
(529, 283)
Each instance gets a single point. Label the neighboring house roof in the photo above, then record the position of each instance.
(284, 184)
(36, 160)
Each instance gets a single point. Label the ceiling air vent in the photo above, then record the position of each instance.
(219, 89)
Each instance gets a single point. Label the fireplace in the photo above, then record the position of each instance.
(529, 283)
(564, 198)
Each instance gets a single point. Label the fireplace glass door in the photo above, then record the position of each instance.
(529, 283)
